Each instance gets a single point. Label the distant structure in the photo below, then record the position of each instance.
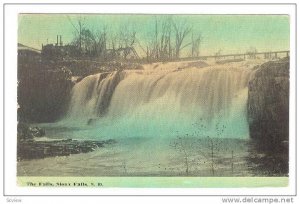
(26, 53)
(58, 51)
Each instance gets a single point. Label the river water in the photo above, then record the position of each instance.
(173, 119)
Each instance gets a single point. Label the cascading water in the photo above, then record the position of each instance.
(91, 97)
(163, 101)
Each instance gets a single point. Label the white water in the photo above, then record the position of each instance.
(163, 101)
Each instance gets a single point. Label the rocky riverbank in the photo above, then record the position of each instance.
(268, 111)
(32, 146)
(268, 103)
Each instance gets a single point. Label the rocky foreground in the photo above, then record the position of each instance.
(29, 147)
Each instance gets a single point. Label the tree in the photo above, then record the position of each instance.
(196, 41)
(184, 145)
(87, 41)
(164, 48)
(127, 36)
(126, 39)
(159, 46)
(79, 29)
(101, 42)
(182, 29)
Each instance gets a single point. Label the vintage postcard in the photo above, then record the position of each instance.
(153, 100)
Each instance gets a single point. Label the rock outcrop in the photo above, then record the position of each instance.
(31, 148)
(268, 106)
(43, 94)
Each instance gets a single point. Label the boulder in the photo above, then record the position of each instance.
(268, 105)
(26, 132)
(36, 131)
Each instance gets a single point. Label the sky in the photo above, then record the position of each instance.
(228, 33)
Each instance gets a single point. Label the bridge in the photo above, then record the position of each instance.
(250, 55)
(236, 57)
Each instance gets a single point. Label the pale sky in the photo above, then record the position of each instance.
(230, 33)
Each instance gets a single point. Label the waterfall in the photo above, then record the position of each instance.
(91, 96)
(163, 101)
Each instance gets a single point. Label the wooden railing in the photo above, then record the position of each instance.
(266, 55)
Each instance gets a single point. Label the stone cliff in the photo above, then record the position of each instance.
(268, 105)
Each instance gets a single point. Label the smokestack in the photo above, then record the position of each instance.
(56, 40)
(60, 42)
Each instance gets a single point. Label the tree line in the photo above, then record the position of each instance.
(168, 37)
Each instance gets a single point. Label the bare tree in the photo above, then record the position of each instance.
(182, 29)
(196, 41)
(101, 42)
(87, 41)
(126, 39)
(127, 36)
(164, 46)
(159, 45)
(184, 145)
(78, 28)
